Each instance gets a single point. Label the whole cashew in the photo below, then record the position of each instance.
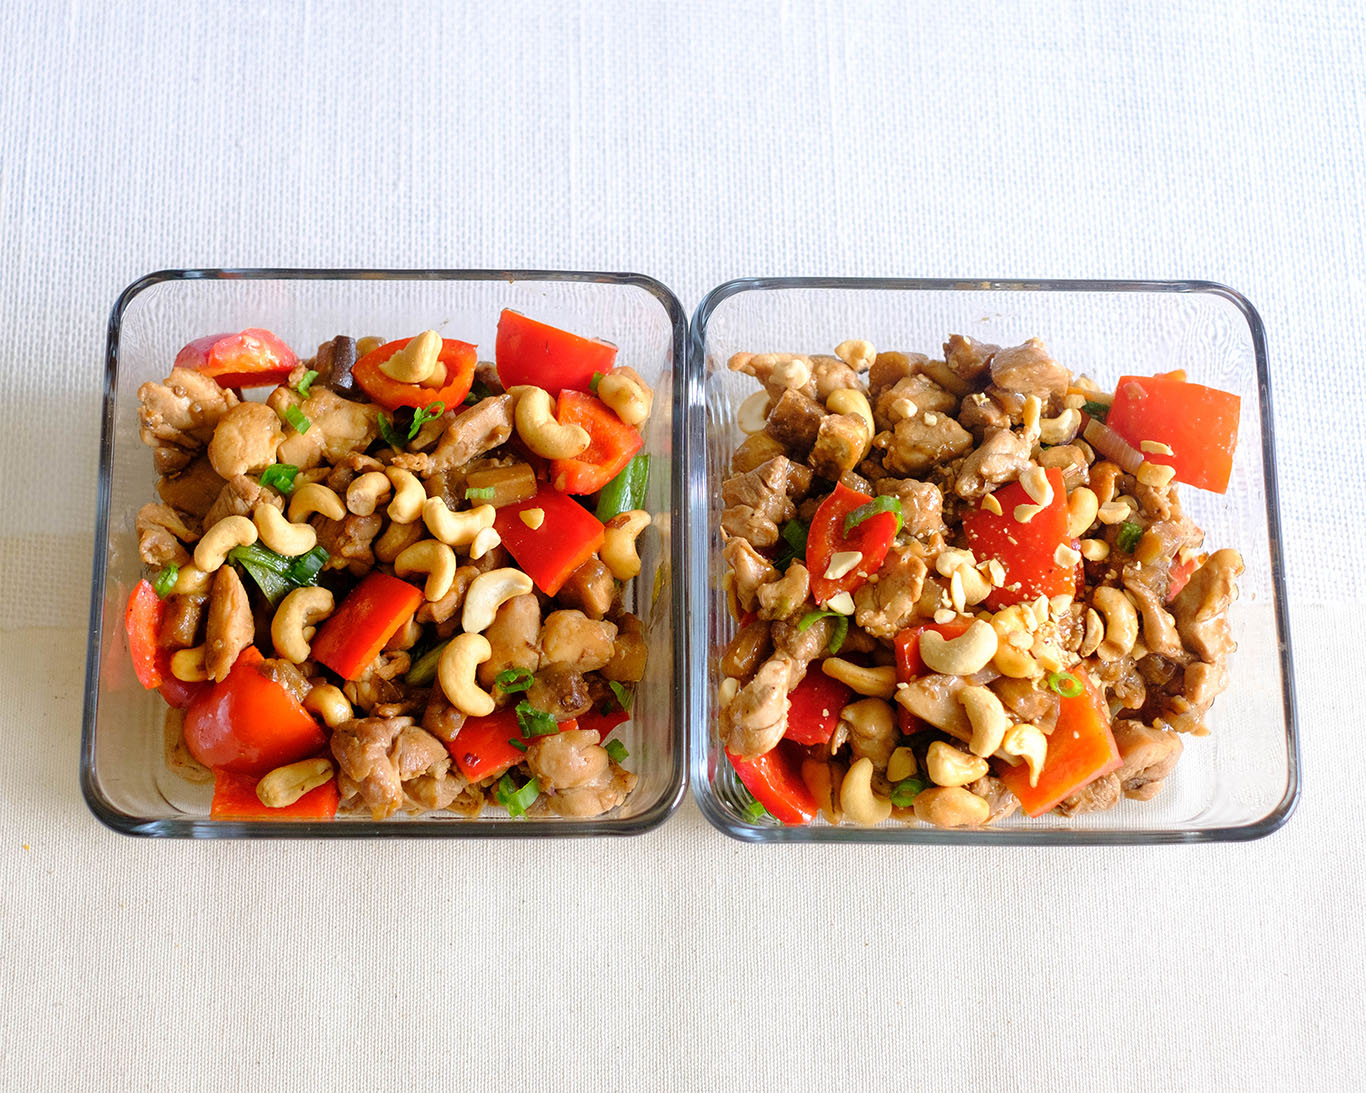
(485, 539)
(901, 765)
(456, 528)
(488, 592)
(873, 682)
(1026, 742)
(1082, 506)
(409, 496)
(188, 665)
(190, 580)
(314, 497)
(280, 535)
(455, 672)
(433, 558)
(947, 766)
(285, 785)
(328, 702)
(295, 621)
(212, 550)
(752, 414)
(951, 806)
(988, 719)
(627, 394)
(1094, 635)
(1121, 621)
(366, 492)
(970, 652)
(857, 798)
(396, 539)
(536, 425)
(619, 543)
(415, 362)
(848, 401)
(1061, 429)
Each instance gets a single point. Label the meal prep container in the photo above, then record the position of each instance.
(123, 774)
(1239, 782)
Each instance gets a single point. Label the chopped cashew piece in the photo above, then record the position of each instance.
(532, 518)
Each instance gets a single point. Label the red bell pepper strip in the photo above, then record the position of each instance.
(484, 748)
(567, 537)
(545, 356)
(249, 724)
(458, 357)
(775, 779)
(1198, 423)
(813, 707)
(1027, 552)
(871, 538)
(1080, 749)
(253, 358)
(234, 798)
(355, 633)
(178, 693)
(604, 723)
(906, 645)
(611, 444)
(142, 623)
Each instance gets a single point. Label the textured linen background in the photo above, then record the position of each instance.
(694, 141)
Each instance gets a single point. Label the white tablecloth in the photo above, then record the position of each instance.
(694, 141)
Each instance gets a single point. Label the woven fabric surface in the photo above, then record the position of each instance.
(695, 141)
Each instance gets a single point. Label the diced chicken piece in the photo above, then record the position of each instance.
(997, 795)
(919, 391)
(1029, 370)
(245, 439)
(922, 504)
(337, 427)
(757, 502)
(1203, 683)
(362, 750)
(576, 775)
(841, 442)
(889, 368)
(750, 570)
(934, 698)
(968, 358)
(1201, 607)
(573, 639)
(1159, 629)
(193, 490)
(484, 426)
(830, 374)
(980, 412)
(239, 496)
(800, 647)
(1096, 796)
(417, 752)
(349, 540)
(441, 719)
(782, 598)
(1026, 703)
(230, 627)
(162, 534)
(561, 691)
(513, 637)
(795, 421)
(177, 417)
(1001, 457)
(753, 722)
(1148, 755)
(885, 604)
(922, 442)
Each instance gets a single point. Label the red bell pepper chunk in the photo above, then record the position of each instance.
(611, 444)
(1027, 552)
(234, 798)
(178, 693)
(906, 645)
(253, 358)
(567, 537)
(1198, 423)
(142, 623)
(546, 356)
(1080, 749)
(775, 779)
(355, 633)
(604, 723)
(484, 748)
(871, 538)
(813, 707)
(458, 357)
(249, 724)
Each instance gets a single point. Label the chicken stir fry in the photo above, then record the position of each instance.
(966, 586)
(395, 584)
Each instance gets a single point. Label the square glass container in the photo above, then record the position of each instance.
(123, 775)
(1239, 782)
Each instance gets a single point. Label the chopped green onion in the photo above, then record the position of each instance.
(280, 476)
(904, 793)
(1129, 535)
(626, 491)
(276, 574)
(1064, 683)
(535, 722)
(1097, 410)
(516, 743)
(841, 626)
(423, 670)
(593, 383)
(624, 695)
(478, 392)
(420, 417)
(512, 680)
(164, 581)
(755, 811)
(480, 493)
(616, 751)
(874, 507)
(794, 544)
(306, 383)
(296, 418)
(387, 432)
(515, 800)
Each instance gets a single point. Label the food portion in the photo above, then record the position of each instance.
(965, 586)
(396, 583)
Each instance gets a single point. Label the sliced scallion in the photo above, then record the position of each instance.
(616, 751)
(480, 493)
(1128, 536)
(297, 420)
(306, 383)
(280, 477)
(535, 722)
(424, 668)
(624, 695)
(875, 507)
(1064, 683)
(164, 581)
(513, 680)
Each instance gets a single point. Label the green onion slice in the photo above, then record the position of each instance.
(296, 418)
(516, 743)
(513, 680)
(480, 493)
(904, 793)
(616, 751)
(755, 811)
(794, 543)
(423, 670)
(516, 800)
(1129, 535)
(275, 574)
(424, 415)
(873, 508)
(535, 722)
(164, 581)
(593, 383)
(841, 631)
(478, 392)
(387, 432)
(280, 476)
(624, 695)
(1097, 410)
(1064, 683)
(626, 491)
(306, 383)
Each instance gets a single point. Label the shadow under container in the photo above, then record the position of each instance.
(1241, 781)
(123, 774)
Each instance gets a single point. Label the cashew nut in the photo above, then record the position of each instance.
(1095, 633)
(947, 766)
(366, 492)
(951, 806)
(752, 414)
(970, 652)
(409, 495)
(1082, 506)
(485, 539)
(435, 559)
(874, 682)
(456, 528)
(1026, 742)
(488, 592)
(296, 620)
(1061, 429)
(314, 497)
(870, 718)
(627, 394)
(188, 665)
(455, 672)
(619, 543)
(536, 425)
(857, 798)
(987, 717)
(1017, 663)
(212, 550)
(416, 361)
(285, 785)
(857, 354)
(901, 765)
(790, 372)
(328, 702)
(855, 403)
(396, 539)
(190, 580)
(280, 535)
(1121, 622)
